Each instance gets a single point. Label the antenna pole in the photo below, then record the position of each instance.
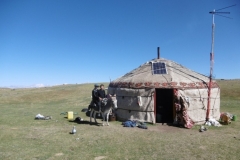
(212, 57)
(211, 69)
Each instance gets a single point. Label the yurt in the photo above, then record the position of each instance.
(154, 91)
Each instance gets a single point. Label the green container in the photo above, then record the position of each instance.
(234, 118)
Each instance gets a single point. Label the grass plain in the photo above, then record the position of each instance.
(22, 137)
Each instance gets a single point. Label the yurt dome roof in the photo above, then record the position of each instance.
(162, 73)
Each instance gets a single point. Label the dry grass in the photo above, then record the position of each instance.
(22, 137)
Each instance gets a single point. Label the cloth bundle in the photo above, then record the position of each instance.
(41, 117)
(132, 123)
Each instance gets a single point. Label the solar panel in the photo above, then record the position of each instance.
(159, 68)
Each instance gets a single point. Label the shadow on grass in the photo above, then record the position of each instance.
(173, 125)
(79, 121)
(98, 116)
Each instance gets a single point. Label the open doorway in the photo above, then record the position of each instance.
(164, 106)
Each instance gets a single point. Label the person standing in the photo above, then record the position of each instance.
(101, 95)
(95, 98)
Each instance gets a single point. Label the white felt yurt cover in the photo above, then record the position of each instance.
(142, 82)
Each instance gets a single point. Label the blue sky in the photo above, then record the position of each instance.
(49, 42)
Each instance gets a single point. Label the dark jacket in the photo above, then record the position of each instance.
(101, 93)
(95, 97)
